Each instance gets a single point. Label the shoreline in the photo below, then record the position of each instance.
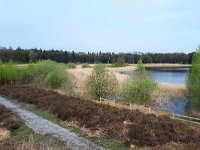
(153, 65)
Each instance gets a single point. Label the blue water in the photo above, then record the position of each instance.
(166, 75)
(175, 106)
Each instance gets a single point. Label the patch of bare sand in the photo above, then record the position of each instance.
(4, 134)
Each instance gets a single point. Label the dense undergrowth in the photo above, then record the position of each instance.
(131, 126)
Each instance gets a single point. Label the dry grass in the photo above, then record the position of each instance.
(29, 144)
(122, 105)
(8, 123)
(167, 65)
(170, 91)
(4, 134)
(8, 120)
(83, 129)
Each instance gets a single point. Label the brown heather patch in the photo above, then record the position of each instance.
(132, 126)
(7, 119)
(8, 123)
(28, 144)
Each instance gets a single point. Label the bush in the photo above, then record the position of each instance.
(139, 88)
(101, 83)
(71, 65)
(193, 81)
(8, 73)
(45, 73)
(50, 74)
(119, 64)
(26, 75)
(85, 65)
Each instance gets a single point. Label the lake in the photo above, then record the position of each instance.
(166, 75)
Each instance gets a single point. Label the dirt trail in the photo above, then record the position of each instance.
(44, 127)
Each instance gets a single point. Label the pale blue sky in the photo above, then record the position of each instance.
(101, 25)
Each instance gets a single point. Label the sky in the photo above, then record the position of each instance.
(101, 25)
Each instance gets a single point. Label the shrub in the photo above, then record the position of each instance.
(26, 75)
(101, 83)
(45, 73)
(85, 65)
(71, 65)
(50, 74)
(139, 88)
(8, 73)
(119, 64)
(193, 81)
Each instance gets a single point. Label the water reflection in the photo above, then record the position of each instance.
(175, 106)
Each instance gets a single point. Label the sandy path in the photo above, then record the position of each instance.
(44, 127)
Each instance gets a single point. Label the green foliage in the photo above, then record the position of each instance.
(85, 65)
(45, 73)
(118, 64)
(101, 83)
(139, 89)
(71, 65)
(193, 81)
(32, 56)
(141, 72)
(8, 73)
(50, 74)
(26, 75)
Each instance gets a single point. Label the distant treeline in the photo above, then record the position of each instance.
(26, 55)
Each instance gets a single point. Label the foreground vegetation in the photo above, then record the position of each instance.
(193, 82)
(132, 127)
(20, 137)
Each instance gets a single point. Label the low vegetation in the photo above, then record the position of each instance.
(101, 83)
(8, 73)
(85, 65)
(119, 64)
(21, 137)
(71, 65)
(45, 74)
(140, 87)
(132, 127)
(8, 119)
(193, 82)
